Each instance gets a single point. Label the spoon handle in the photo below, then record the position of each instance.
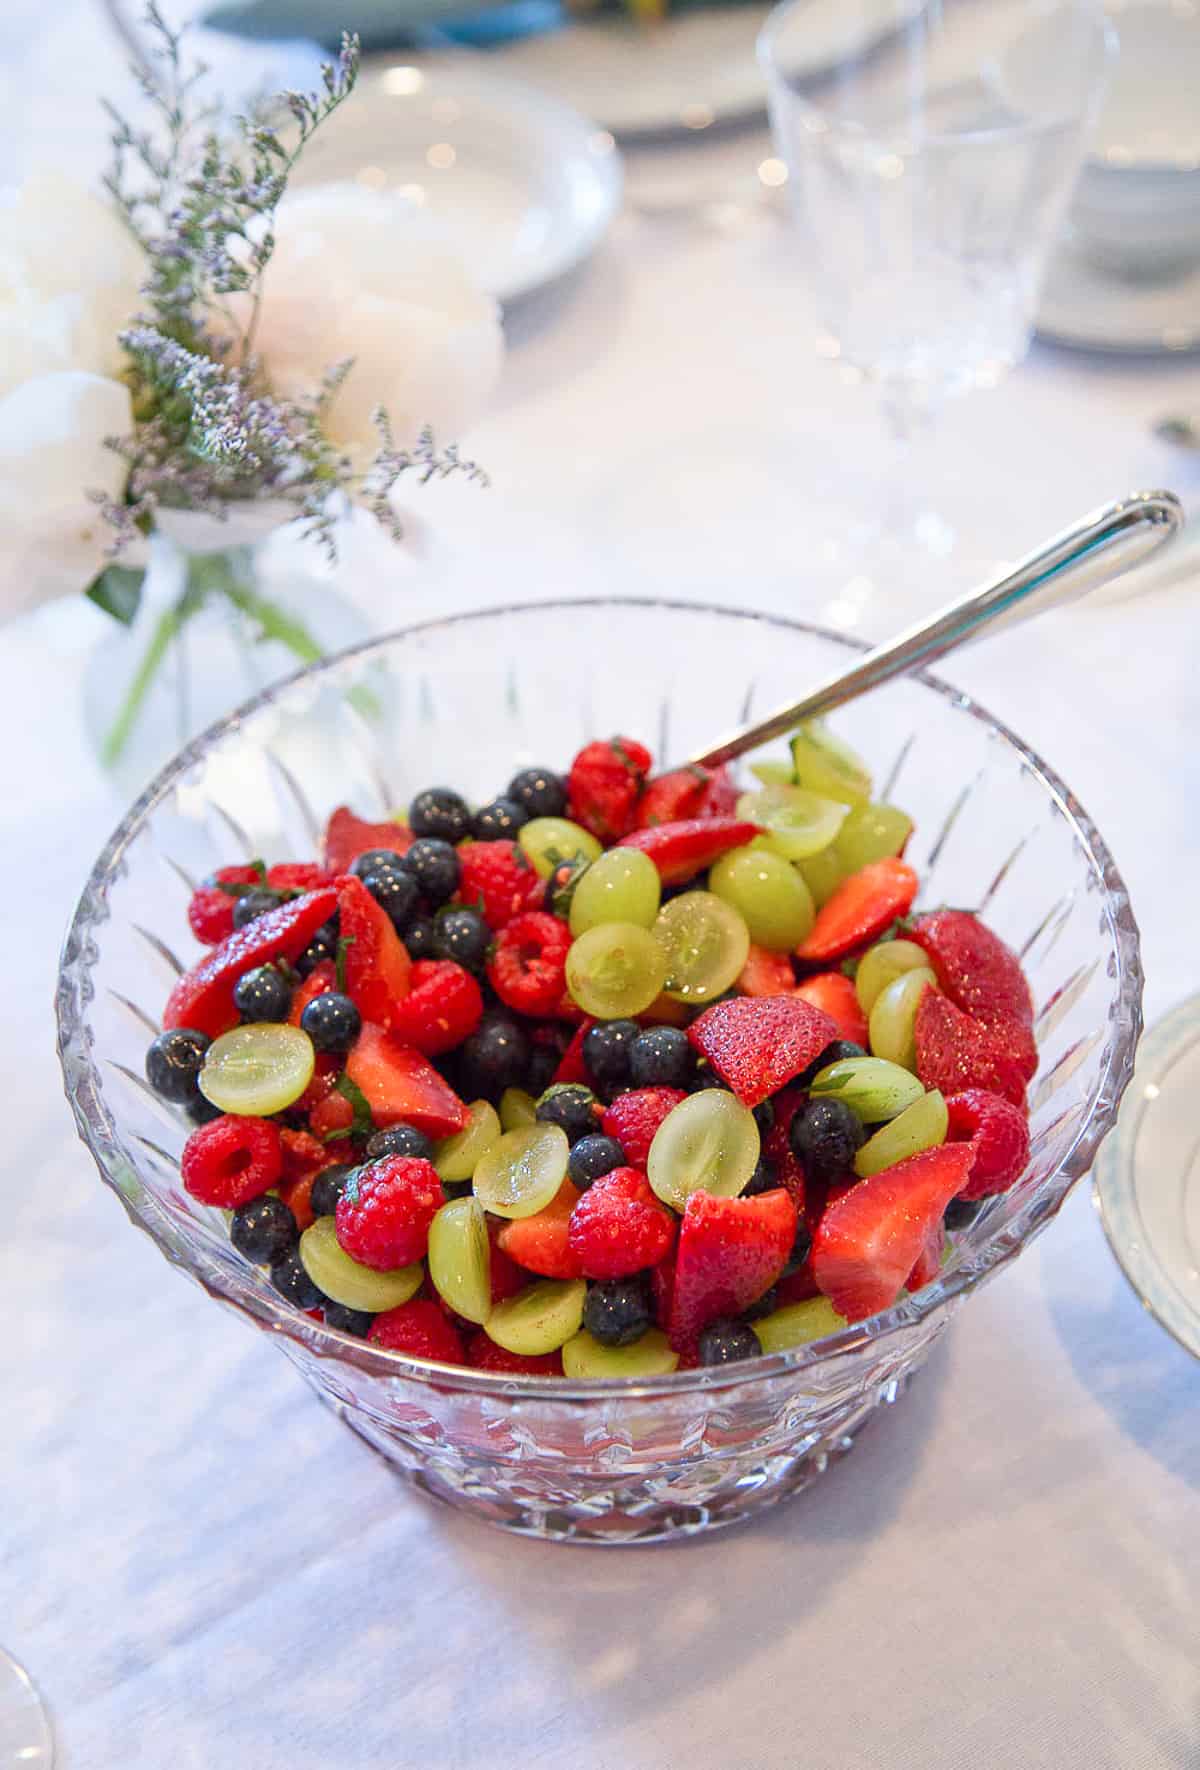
(1093, 550)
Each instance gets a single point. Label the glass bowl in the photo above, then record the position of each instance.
(466, 701)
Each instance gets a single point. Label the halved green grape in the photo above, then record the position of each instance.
(541, 1318)
(768, 893)
(827, 765)
(651, 1356)
(460, 1258)
(257, 1069)
(872, 832)
(774, 774)
(616, 970)
(704, 944)
(873, 1088)
(457, 1157)
(708, 1143)
(797, 1324)
(517, 1108)
(798, 822)
(546, 841)
(521, 1172)
(822, 873)
(882, 964)
(892, 1023)
(355, 1287)
(622, 886)
(923, 1125)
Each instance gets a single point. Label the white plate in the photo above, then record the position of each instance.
(524, 184)
(1091, 309)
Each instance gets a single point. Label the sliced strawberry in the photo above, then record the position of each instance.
(664, 1011)
(633, 1119)
(401, 1086)
(378, 968)
(485, 1355)
(928, 1263)
(777, 1145)
(203, 998)
(604, 785)
(798, 1286)
(571, 1067)
(869, 1240)
(1000, 1135)
(507, 1277)
(974, 967)
(327, 1066)
(860, 909)
(443, 1007)
(720, 795)
(730, 1251)
(210, 913)
(542, 1243)
(331, 1112)
(685, 793)
(955, 1053)
(297, 875)
(835, 993)
(297, 1196)
(348, 836)
(681, 850)
(320, 980)
(766, 974)
(757, 1043)
(662, 1289)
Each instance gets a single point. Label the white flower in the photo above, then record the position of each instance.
(69, 275)
(363, 274)
(52, 431)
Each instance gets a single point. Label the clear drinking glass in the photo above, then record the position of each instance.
(26, 1740)
(929, 166)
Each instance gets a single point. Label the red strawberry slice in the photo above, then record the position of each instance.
(766, 974)
(835, 993)
(869, 1239)
(507, 1277)
(778, 1149)
(297, 1196)
(203, 998)
(320, 980)
(688, 792)
(633, 1119)
(974, 967)
(928, 1263)
(348, 836)
(571, 1066)
(681, 850)
(604, 785)
(331, 1112)
(210, 913)
(955, 1053)
(730, 1251)
(860, 909)
(297, 875)
(757, 1043)
(542, 1243)
(401, 1086)
(999, 1132)
(378, 968)
(444, 1007)
(662, 1289)
(485, 1355)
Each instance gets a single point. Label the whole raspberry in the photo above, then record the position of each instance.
(634, 1118)
(419, 1328)
(619, 1227)
(297, 875)
(443, 1007)
(383, 1216)
(528, 967)
(210, 913)
(231, 1160)
(1000, 1133)
(497, 876)
(605, 785)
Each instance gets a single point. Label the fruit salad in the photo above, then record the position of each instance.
(620, 1073)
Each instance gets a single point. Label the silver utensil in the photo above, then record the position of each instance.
(1094, 550)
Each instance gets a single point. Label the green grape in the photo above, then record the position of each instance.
(882, 964)
(616, 970)
(769, 895)
(541, 1318)
(457, 1157)
(355, 1287)
(622, 886)
(257, 1069)
(460, 1258)
(704, 944)
(709, 1143)
(873, 1088)
(871, 832)
(521, 1172)
(923, 1125)
(892, 1024)
(798, 823)
(797, 1324)
(774, 774)
(546, 841)
(822, 873)
(517, 1108)
(651, 1356)
(827, 765)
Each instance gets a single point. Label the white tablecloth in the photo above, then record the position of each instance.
(201, 1568)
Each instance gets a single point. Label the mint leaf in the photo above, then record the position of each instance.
(118, 591)
(363, 1123)
(345, 942)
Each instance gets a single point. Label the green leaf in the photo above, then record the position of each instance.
(363, 1123)
(344, 943)
(118, 591)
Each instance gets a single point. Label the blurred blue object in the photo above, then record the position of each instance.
(384, 24)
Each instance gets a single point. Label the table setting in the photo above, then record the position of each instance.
(766, 440)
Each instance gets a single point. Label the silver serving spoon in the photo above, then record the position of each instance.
(1108, 541)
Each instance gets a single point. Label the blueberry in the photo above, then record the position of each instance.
(835, 1053)
(202, 1111)
(322, 946)
(766, 1305)
(462, 935)
(725, 1342)
(764, 1117)
(418, 938)
(375, 860)
(173, 1064)
(570, 1105)
(331, 1021)
(961, 1211)
(592, 1157)
(801, 1249)
(395, 891)
(705, 1077)
(262, 994)
(541, 1069)
(434, 865)
(328, 1188)
(292, 1281)
(350, 1321)
(400, 1140)
(501, 819)
(763, 1179)
(606, 1048)
(538, 792)
(661, 1057)
(264, 1230)
(826, 1135)
(618, 1311)
(493, 1058)
(253, 904)
(440, 812)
